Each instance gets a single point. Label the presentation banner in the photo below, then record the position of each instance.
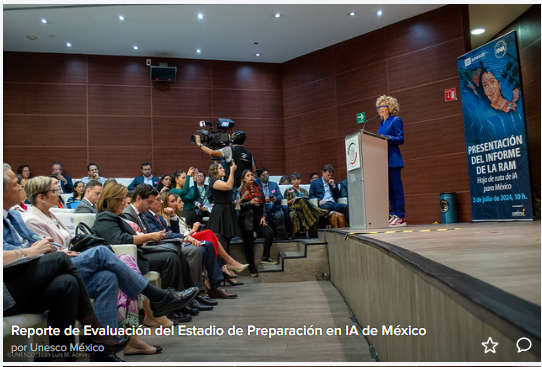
(494, 115)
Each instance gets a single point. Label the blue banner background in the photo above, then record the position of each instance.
(493, 113)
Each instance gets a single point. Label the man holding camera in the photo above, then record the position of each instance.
(236, 152)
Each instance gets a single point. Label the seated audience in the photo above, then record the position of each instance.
(146, 177)
(284, 180)
(170, 211)
(184, 187)
(66, 183)
(164, 184)
(203, 203)
(253, 219)
(88, 203)
(273, 199)
(314, 176)
(78, 193)
(25, 174)
(103, 272)
(93, 174)
(305, 216)
(344, 188)
(327, 192)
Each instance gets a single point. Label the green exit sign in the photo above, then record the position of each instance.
(360, 117)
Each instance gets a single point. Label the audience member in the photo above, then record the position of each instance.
(65, 181)
(204, 241)
(327, 192)
(184, 187)
(253, 219)
(273, 199)
(314, 176)
(78, 193)
(114, 228)
(223, 219)
(61, 204)
(344, 188)
(93, 190)
(146, 177)
(164, 184)
(236, 154)
(203, 203)
(305, 216)
(25, 174)
(93, 174)
(284, 180)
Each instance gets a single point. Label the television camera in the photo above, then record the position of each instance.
(215, 139)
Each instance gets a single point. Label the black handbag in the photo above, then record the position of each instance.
(85, 238)
(247, 219)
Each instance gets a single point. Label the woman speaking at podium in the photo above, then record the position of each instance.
(391, 127)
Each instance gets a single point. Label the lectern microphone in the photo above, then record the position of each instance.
(366, 121)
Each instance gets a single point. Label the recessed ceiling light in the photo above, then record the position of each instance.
(68, 44)
(379, 13)
(277, 15)
(198, 50)
(121, 18)
(200, 16)
(477, 31)
(258, 54)
(352, 13)
(136, 48)
(44, 21)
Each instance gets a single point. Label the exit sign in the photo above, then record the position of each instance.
(360, 117)
(450, 95)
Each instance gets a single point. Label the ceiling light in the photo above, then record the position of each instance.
(68, 44)
(352, 13)
(277, 15)
(121, 18)
(477, 31)
(136, 48)
(200, 16)
(379, 13)
(198, 50)
(258, 54)
(44, 21)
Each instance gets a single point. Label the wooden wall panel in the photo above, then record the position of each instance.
(118, 100)
(309, 97)
(361, 83)
(314, 66)
(52, 99)
(237, 104)
(173, 131)
(193, 73)
(47, 68)
(120, 161)
(74, 160)
(119, 131)
(432, 28)
(114, 70)
(169, 101)
(235, 75)
(60, 131)
(360, 51)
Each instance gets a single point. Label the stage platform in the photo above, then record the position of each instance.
(464, 283)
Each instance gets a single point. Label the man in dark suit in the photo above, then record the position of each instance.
(157, 223)
(93, 190)
(65, 181)
(202, 204)
(327, 192)
(146, 177)
(273, 199)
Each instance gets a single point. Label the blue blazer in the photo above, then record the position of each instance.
(273, 186)
(393, 129)
(17, 223)
(140, 179)
(68, 186)
(316, 190)
(156, 227)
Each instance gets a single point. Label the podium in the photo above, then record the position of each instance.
(367, 174)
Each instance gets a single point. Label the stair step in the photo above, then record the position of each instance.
(291, 254)
(269, 268)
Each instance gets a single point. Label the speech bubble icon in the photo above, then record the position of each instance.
(524, 344)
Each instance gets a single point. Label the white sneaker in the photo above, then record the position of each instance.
(393, 219)
(400, 222)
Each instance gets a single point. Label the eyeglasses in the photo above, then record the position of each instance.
(383, 106)
(56, 191)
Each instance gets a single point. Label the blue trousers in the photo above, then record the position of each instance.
(332, 206)
(104, 273)
(396, 194)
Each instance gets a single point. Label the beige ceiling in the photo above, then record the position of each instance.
(227, 32)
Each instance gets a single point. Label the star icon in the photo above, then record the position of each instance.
(490, 345)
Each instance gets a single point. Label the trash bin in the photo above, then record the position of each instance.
(448, 207)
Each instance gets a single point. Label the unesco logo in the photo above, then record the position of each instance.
(500, 49)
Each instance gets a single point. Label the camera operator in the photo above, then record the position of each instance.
(235, 152)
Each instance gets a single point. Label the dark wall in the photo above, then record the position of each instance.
(527, 28)
(415, 61)
(79, 109)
